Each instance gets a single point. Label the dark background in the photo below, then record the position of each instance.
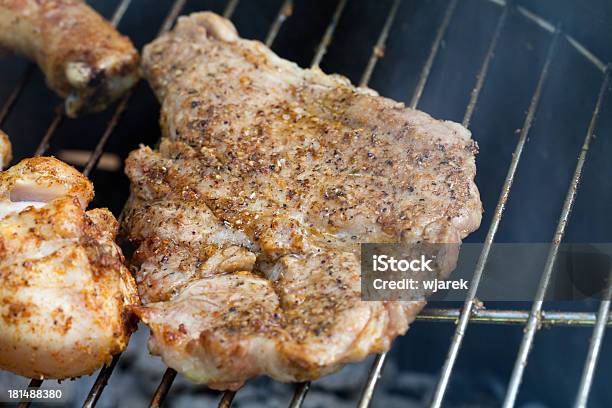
(486, 359)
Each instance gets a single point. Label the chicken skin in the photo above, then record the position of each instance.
(64, 290)
(85, 60)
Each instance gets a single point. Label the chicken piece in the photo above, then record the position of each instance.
(64, 289)
(248, 218)
(6, 151)
(85, 60)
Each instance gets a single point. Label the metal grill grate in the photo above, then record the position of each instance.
(532, 319)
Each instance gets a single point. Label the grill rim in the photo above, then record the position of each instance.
(533, 319)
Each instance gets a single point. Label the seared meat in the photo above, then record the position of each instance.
(248, 218)
(6, 151)
(64, 288)
(83, 57)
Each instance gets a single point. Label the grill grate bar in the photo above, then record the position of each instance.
(283, 14)
(120, 12)
(34, 384)
(101, 381)
(586, 53)
(484, 69)
(497, 316)
(594, 349)
(163, 388)
(534, 317)
(603, 316)
(435, 46)
(95, 155)
(379, 49)
(171, 17)
(299, 395)
(499, 210)
(55, 123)
(532, 323)
(227, 399)
(329, 34)
(14, 95)
(373, 376)
(230, 8)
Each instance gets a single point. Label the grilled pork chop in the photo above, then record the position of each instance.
(248, 218)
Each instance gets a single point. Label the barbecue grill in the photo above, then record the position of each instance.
(423, 77)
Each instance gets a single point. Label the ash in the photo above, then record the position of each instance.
(138, 373)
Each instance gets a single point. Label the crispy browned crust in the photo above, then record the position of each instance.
(84, 58)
